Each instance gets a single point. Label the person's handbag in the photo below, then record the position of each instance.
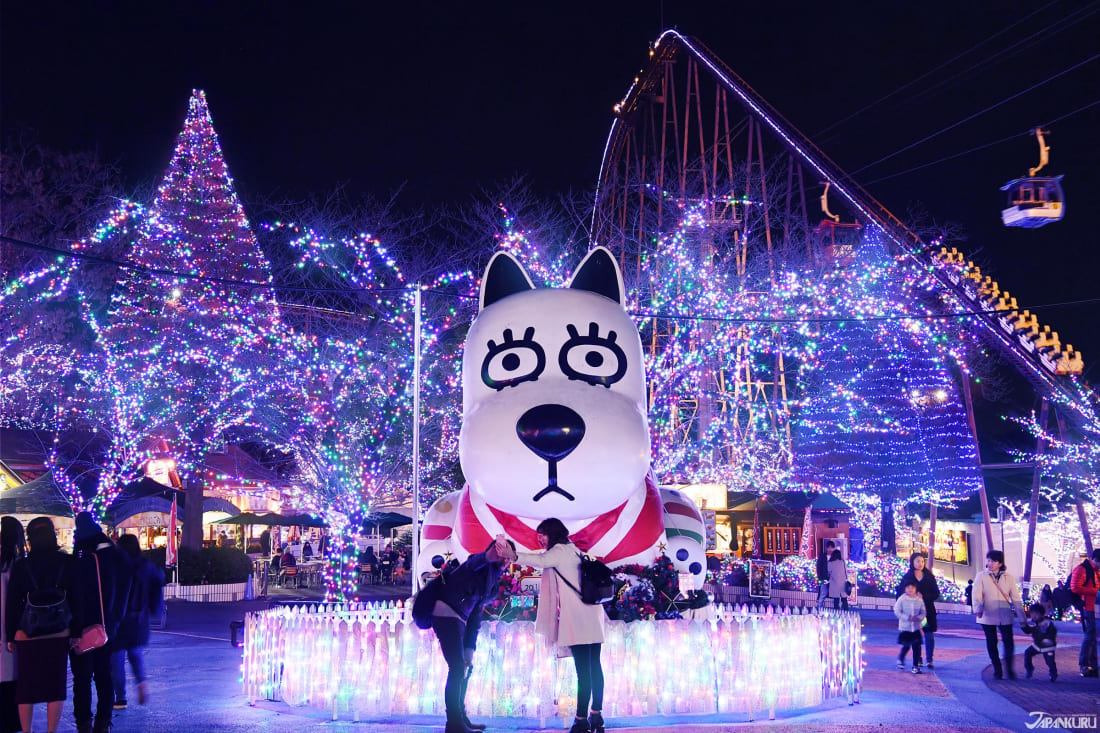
(47, 610)
(94, 636)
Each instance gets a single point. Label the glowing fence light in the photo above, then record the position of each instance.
(369, 660)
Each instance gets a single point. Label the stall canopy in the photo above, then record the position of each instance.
(42, 496)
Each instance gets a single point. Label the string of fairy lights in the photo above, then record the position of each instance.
(199, 346)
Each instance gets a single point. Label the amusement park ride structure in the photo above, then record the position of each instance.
(689, 129)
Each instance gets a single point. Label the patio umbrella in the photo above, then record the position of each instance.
(247, 518)
(274, 520)
(385, 521)
(303, 520)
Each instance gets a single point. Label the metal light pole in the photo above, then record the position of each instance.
(416, 438)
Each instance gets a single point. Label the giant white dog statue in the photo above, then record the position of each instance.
(554, 425)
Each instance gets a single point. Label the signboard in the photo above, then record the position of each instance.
(760, 578)
(710, 519)
(530, 584)
(782, 540)
(686, 584)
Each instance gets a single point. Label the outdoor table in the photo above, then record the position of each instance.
(260, 569)
(312, 572)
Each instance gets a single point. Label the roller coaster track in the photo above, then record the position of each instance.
(1035, 351)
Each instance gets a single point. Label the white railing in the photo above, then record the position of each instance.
(808, 599)
(369, 661)
(206, 593)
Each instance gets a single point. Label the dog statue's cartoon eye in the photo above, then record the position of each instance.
(592, 358)
(513, 361)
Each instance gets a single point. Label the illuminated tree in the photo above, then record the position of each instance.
(192, 333)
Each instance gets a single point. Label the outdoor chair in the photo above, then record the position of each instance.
(366, 574)
(290, 574)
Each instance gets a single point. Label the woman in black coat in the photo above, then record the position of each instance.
(41, 660)
(456, 619)
(929, 592)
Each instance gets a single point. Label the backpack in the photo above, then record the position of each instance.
(1076, 599)
(47, 610)
(597, 583)
(423, 607)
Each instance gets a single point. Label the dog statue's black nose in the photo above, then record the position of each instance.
(550, 431)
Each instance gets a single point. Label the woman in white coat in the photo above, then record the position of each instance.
(565, 619)
(838, 580)
(996, 595)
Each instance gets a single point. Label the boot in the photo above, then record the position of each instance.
(1009, 669)
(462, 692)
(998, 672)
(595, 722)
(580, 726)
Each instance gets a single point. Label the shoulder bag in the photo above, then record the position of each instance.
(1011, 605)
(94, 636)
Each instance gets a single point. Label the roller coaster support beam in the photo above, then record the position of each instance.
(978, 451)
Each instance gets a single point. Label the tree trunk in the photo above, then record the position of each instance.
(192, 515)
(1084, 524)
(931, 536)
(889, 537)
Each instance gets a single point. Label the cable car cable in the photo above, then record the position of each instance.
(1016, 48)
(926, 74)
(977, 114)
(1028, 133)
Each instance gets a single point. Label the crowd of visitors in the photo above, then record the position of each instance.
(385, 566)
(86, 611)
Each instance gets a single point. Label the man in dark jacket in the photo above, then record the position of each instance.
(145, 602)
(456, 620)
(99, 565)
(823, 572)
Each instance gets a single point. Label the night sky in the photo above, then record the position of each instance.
(446, 97)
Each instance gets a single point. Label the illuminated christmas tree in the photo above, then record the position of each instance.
(192, 333)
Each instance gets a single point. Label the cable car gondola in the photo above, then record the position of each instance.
(1036, 200)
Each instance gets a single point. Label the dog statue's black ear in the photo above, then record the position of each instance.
(599, 273)
(503, 277)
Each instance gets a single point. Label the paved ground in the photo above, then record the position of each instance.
(195, 672)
